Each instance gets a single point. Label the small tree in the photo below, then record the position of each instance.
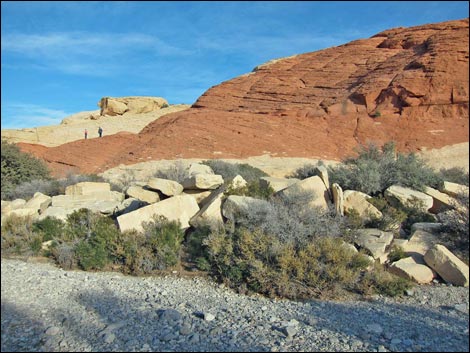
(19, 167)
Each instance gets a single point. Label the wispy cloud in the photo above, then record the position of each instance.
(21, 115)
(82, 52)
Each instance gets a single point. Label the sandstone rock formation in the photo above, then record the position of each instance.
(132, 105)
(71, 128)
(410, 85)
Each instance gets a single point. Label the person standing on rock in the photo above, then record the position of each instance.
(86, 134)
(100, 131)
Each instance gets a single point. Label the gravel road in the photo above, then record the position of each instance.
(45, 308)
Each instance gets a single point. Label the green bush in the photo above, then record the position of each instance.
(64, 255)
(78, 225)
(91, 254)
(374, 170)
(392, 218)
(307, 170)
(95, 238)
(163, 238)
(176, 172)
(455, 175)
(196, 249)
(262, 263)
(415, 214)
(396, 253)
(380, 281)
(288, 218)
(18, 167)
(18, 237)
(253, 189)
(456, 227)
(231, 170)
(50, 187)
(49, 228)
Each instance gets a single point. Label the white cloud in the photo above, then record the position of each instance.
(83, 52)
(21, 115)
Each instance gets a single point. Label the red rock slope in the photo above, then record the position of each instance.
(410, 85)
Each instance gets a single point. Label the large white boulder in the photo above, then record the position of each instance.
(408, 268)
(239, 206)
(71, 201)
(203, 182)
(356, 200)
(338, 198)
(87, 188)
(140, 193)
(201, 196)
(39, 202)
(198, 168)
(419, 243)
(133, 105)
(237, 182)
(407, 196)
(447, 265)
(453, 189)
(165, 186)
(313, 185)
(374, 241)
(211, 212)
(441, 201)
(177, 208)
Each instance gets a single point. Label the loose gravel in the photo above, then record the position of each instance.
(45, 308)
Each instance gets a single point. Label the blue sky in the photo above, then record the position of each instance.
(60, 58)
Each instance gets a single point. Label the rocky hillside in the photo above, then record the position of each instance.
(129, 114)
(410, 85)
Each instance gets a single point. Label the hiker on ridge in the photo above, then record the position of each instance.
(100, 131)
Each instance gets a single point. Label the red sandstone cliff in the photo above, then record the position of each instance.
(410, 85)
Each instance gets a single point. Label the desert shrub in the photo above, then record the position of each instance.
(64, 255)
(94, 237)
(288, 218)
(195, 247)
(414, 173)
(91, 254)
(455, 175)
(252, 189)
(78, 225)
(176, 172)
(124, 181)
(18, 167)
(415, 214)
(380, 281)
(164, 105)
(374, 170)
(396, 253)
(307, 170)
(163, 238)
(354, 220)
(261, 262)
(231, 170)
(130, 252)
(456, 226)
(50, 187)
(397, 217)
(18, 237)
(49, 228)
